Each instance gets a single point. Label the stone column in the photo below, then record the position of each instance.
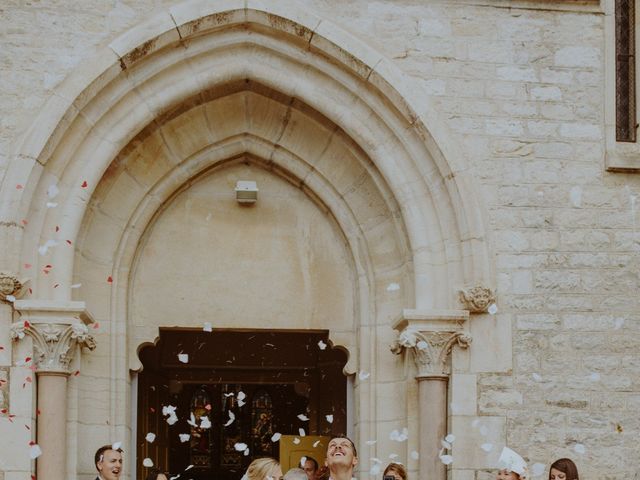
(428, 337)
(57, 329)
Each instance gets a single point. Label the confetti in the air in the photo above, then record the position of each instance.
(19, 187)
(303, 417)
(363, 375)
(393, 287)
(594, 377)
(301, 432)
(240, 447)
(446, 459)
(232, 417)
(53, 190)
(399, 436)
(296, 441)
(184, 437)
(393, 456)
(183, 357)
(205, 422)
(207, 327)
(241, 397)
(303, 460)
(316, 443)
(76, 285)
(537, 469)
(147, 462)
(10, 298)
(116, 445)
(415, 455)
(493, 309)
(170, 410)
(536, 376)
(371, 442)
(84, 184)
(321, 345)
(487, 447)
(276, 437)
(52, 204)
(422, 345)
(329, 418)
(579, 448)
(450, 438)
(34, 450)
(109, 279)
(150, 437)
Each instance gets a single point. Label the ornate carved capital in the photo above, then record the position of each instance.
(56, 328)
(477, 299)
(429, 337)
(10, 287)
(54, 344)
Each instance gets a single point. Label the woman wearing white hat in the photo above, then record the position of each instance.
(512, 466)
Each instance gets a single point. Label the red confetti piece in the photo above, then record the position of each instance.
(28, 380)
(26, 324)
(25, 221)
(207, 407)
(38, 411)
(68, 241)
(33, 477)
(84, 184)
(3, 411)
(30, 291)
(27, 265)
(56, 285)
(76, 373)
(57, 228)
(27, 360)
(109, 279)
(31, 443)
(27, 426)
(96, 325)
(19, 187)
(33, 368)
(153, 410)
(1, 348)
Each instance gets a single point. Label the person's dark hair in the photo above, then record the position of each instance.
(314, 461)
(353, 445)
(566, 466)
(397, 468)
(100, 452)
(154, 473)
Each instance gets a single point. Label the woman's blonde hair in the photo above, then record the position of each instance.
(260, 468)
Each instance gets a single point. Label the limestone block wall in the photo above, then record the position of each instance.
(521, 88)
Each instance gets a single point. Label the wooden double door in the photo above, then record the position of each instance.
(237, 389)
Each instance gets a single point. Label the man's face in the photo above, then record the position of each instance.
(110, 465)
(340, 454)
(310, 470)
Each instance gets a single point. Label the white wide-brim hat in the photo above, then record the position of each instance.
(510, 460)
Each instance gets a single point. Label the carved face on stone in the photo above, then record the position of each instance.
(8, 284)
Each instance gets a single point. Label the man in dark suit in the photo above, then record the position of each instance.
(108, 462)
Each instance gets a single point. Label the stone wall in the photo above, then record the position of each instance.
(522, 93)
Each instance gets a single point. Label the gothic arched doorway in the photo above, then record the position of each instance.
(247, 384)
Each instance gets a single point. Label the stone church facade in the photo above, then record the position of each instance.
(446, 211)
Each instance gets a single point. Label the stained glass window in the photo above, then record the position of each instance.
(262, 423)
(200, 440)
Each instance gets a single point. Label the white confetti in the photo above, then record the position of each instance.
(376, 460)
(184, 437)
(322, 345)
(537, 469)
(76, 285)
(393, 287)
(207, 327)
(487, 447)
(594, 377)
(227, 395)
(301, 432)
(183, 357)
(116, 445)
(450, 438)
(303, 460)
(296, 441)
(415, 455)
(240, 447)
(316, 443)
(446, 459)
(303, 417)
(393, 456)
(276, 436)
(232, 417)
(147, 462)
(399, 436)
(10, 298)
(241, 395)
(537, 377)
(246, 452)
(205, 422)
(171, 419)
(579, 448)
(445, 444)
(493, 309)
(329, 418)
(192, 420)
(43, 249)
(52, 204)
(364, 375)
(34, 451)
(576, 196)
(150, 437)
(371, 442)
(53, 191)
(422, 345)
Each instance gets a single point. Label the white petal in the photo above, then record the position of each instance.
(364, 375)
(303, 460)
(205, 422)
(232, 417)
(316, 443)
(487, 447)
(150, 437)
(579, 448)
(393, 456)
(594, 377)
(183, 357)
(184, 437)
(303, 417)
(241, 395)
(446, 459)
(422, 345)
(147, 462)
(276, 436)
(493, 309)
(52, 204)
(207, 327)
(537, 377)
(415, 455)
(296, 441)
(375, 469)
(484, 431)
(329, 418)
(392, 287)
(371, 442)
(34, 451)
(301, 432)
(240, 447)
(76, 285)
(322, 345)
(241, 403)
(445, 444)
(116, 445)
(10, 298)
(450, 438)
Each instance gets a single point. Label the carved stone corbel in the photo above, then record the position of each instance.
(477, 299)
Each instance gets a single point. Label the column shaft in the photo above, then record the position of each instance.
(432, 393)
(52, 426)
